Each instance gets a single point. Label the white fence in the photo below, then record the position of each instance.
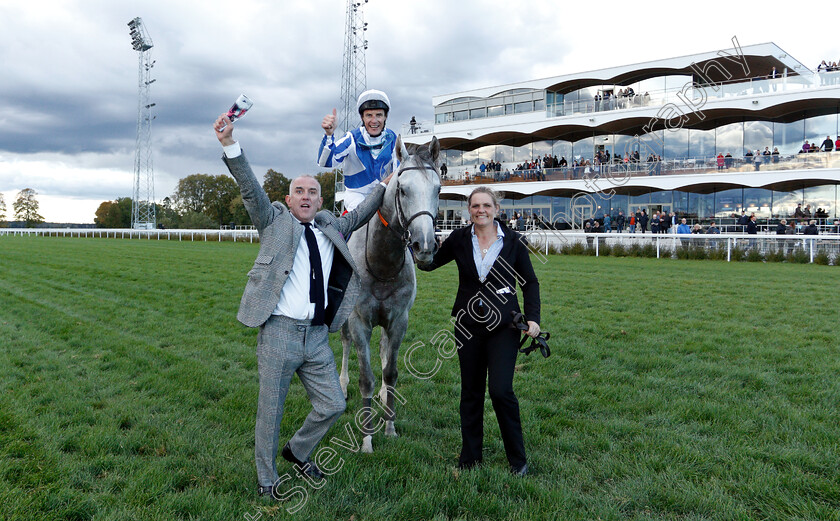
(127, 233)
(666, 245)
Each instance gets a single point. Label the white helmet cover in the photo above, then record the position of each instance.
(373, 99)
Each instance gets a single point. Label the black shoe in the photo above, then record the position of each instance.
(521, 471)
(265, 491)
(305, 468)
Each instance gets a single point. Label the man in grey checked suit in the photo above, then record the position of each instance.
(294, 320)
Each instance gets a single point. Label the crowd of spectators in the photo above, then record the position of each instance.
(828, 67)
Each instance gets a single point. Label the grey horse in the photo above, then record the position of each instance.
(388, 286)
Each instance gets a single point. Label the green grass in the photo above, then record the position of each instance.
(676, 389)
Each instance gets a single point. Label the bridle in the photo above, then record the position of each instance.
(403, 223)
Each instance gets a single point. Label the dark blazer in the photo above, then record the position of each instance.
(279, 238)
(511, 267)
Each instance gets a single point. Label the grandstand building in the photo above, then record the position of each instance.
(707, 136)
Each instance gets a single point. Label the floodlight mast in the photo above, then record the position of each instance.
(353, 76)
(143, 198)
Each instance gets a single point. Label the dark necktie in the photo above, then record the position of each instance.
(316, 278)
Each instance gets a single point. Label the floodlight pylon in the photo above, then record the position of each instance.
(143, 196)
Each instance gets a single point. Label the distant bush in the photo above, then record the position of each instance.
(754, 255)
(822, 258)
(798, 256)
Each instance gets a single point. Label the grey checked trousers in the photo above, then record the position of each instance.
(284, 347)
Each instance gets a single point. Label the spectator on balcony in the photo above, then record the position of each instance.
(837, 144)
(482, 168)
(766, 155)
(806, 213)
(683, 226)
(720, 161)
(696, 229)
(643, 221)
(743, 220)
(713, 228)
(806, 147)
(443, 171)
(775, 154)
(781, 228)
(752, 226)
(811, 229)
(748, 157)
(836, 228)
(412, 125)
(828, 144)
(728, 160)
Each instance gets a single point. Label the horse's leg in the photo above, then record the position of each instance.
(389, 348)
(346, 342)
(359, 332)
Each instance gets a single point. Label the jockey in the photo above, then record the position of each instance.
(366, 153)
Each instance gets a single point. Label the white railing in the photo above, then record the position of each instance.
(127, 233)
(667, 245)
(541, 241)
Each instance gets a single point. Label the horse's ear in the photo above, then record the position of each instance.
(402, 153)
(434, 148)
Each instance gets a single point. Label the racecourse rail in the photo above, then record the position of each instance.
(542, 241)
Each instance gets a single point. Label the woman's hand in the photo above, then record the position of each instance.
(533, 329)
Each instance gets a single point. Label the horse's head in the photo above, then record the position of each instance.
(412, 197)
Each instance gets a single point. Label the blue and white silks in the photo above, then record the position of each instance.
(365, 160)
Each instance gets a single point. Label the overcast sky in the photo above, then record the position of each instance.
(68, 86)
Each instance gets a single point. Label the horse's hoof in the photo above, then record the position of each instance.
(390, 430)
(367, 445)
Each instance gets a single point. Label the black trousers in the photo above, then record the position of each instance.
(493, 355)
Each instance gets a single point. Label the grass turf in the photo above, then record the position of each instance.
(675, 390)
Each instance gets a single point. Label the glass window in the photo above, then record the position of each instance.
(486, 154)
(539, 104)
(821, 198)
(504, 153)
(541, 148)
(562, 149)
(758, 201)
(584, 148)
(461, 115)
(729, 203)
(784, 203)
(818, 127)
(618, 202)
(730, 139)
(758, 135)
(701, 143)
(676, 144)
(789, 137)
(637, 202)
(470, 160)
(441, 118)
(701, 206)
(523, 106)
(509, 108)
(478, 113)
(452, 157)
(496, 110)
(522, 154)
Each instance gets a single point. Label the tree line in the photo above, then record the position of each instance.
(207, 201)
(25, 206)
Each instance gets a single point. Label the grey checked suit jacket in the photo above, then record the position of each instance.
(279, 238)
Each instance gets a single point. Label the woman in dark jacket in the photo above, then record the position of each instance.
(491, 260)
